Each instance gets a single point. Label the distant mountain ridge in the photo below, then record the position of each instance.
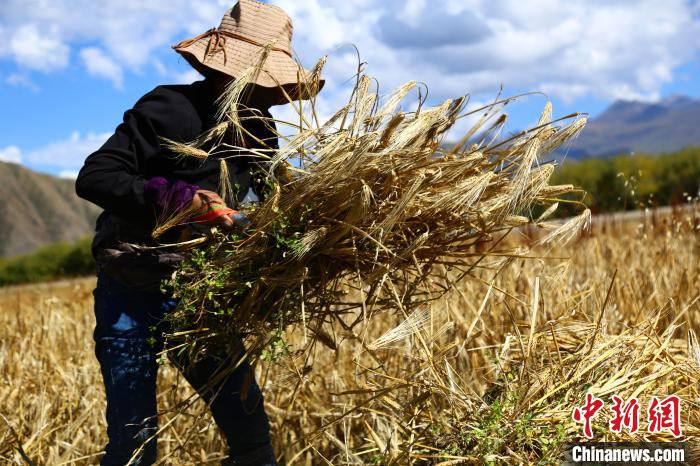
(38, 209)
(666, 126)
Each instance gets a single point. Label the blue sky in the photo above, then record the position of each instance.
(69, 68)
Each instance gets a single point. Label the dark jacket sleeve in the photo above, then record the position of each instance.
(113, 176)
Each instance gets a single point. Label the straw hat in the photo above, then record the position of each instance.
(237, 45)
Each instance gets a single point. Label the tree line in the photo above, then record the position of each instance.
(634, 181)
(58, 260)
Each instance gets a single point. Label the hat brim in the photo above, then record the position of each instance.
(279, 73)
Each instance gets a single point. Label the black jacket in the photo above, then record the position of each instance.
(113, 177)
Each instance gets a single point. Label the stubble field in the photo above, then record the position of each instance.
(490, 374)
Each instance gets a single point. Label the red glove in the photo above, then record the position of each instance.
(210, 209)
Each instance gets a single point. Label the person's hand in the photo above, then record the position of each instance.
(210, 209)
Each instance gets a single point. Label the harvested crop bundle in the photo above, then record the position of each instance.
(368, 212)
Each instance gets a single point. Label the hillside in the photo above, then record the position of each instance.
(39, 209)
(666, 126)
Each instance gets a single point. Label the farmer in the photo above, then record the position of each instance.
(137, 180)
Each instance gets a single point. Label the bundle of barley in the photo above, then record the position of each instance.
(365, 213)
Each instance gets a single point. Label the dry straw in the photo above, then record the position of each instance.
(372, 201)
(492, 376)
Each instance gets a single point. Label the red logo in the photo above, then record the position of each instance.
(625, 415)
(665, 415)
(662, 414)
(585, 413)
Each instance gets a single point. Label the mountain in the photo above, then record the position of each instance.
(37, 209)
(628, 126)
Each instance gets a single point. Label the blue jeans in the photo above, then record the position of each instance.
(128, 338)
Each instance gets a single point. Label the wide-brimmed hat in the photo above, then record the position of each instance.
(237, 44)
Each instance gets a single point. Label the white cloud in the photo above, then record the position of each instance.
(66, 154)
(129, 32)
(609, 49)
(570, 48)
(99, 64)
(11, 154)
(37, 51)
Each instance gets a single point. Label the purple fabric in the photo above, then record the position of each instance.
(169, 196)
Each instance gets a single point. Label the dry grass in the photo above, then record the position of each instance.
(490, 372)
(367, 211)
(355, 261)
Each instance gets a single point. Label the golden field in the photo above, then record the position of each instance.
(489, 374)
